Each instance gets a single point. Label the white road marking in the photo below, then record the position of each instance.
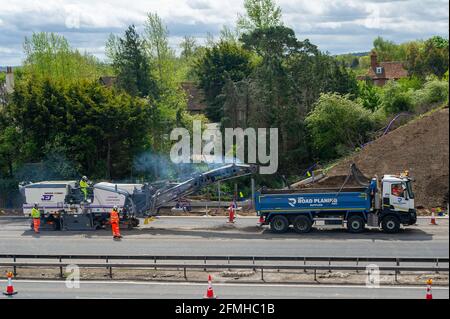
(222, 284)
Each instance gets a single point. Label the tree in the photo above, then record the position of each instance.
(188, 47)
(273, 42)
(224, 60)
(281, 90)
(98, 129)
(49, 55)
(395, 99)
(260, 14)
(435, 56)
(369, 96)
(156, 35)
(387, 50)
(9, 152)
(228, 34)
(337, 125)
(168, 71)
(130, 62)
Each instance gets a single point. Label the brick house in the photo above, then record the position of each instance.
(382, 72)
(196, 99)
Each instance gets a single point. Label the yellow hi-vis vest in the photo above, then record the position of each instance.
(84, 184)
(35, 213)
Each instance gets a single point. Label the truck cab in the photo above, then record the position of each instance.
(398, 205)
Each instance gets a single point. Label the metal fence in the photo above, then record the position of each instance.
(262, 263)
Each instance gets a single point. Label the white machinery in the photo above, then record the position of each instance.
(63, 206)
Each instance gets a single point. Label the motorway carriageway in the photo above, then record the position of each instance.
(170, 290)
(212, 236)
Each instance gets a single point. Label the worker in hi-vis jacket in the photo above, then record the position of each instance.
(115, 220)
(84, 184)
(36, 215)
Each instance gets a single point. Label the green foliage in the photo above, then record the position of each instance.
(188, 47)
(287, 78)
(224, 60)
(99, 130)
(49, 55)
(130, 62)
(369, 95)
(427, 58)
(271, 42)
(260, 14)
(410, 83)
(433, 92)
(388, 50)
(396, 99)
(161, 55)
(337, 125)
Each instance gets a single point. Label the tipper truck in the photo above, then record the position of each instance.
(387, 203)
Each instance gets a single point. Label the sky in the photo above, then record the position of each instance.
(336, 26)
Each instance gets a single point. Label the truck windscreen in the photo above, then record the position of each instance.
(410, 190)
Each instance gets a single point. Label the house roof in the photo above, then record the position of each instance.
(196, 98)
(391, 71)
(108, 81)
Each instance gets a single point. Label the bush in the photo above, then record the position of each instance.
(337, 125)
(411, 83)
(433, 92)
(395, 99)
(369, 96)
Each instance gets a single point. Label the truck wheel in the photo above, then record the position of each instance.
(355, 224)
(279, 224)
(302, 224)
(390, 224)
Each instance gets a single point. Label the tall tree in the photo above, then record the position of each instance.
(260, 14)
(224, 60)
(157, 39)
(49, 55)
(131, 64)
(188, 47)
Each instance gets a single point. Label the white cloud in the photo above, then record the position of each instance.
(335, 25)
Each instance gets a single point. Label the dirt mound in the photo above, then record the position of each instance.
(421, 146)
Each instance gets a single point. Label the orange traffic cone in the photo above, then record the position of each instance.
(10, 288)
(210, 292)
(429, 295)
(433, 218)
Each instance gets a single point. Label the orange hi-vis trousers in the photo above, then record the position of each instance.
(36, 224)
(115, 229)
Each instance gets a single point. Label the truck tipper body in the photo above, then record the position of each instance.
(388, 205)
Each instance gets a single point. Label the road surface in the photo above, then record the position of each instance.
(170, 290)
(212, 236)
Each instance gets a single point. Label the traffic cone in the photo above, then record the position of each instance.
(262, 221)
(429, 295)
(10, 288)
(433, 218)
(231, 215)
(210, 292)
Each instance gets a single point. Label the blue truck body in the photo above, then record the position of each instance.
(302, 208)
(330, 202)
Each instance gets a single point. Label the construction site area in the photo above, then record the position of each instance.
(179, 245)
(251, 253)
(204, 150)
